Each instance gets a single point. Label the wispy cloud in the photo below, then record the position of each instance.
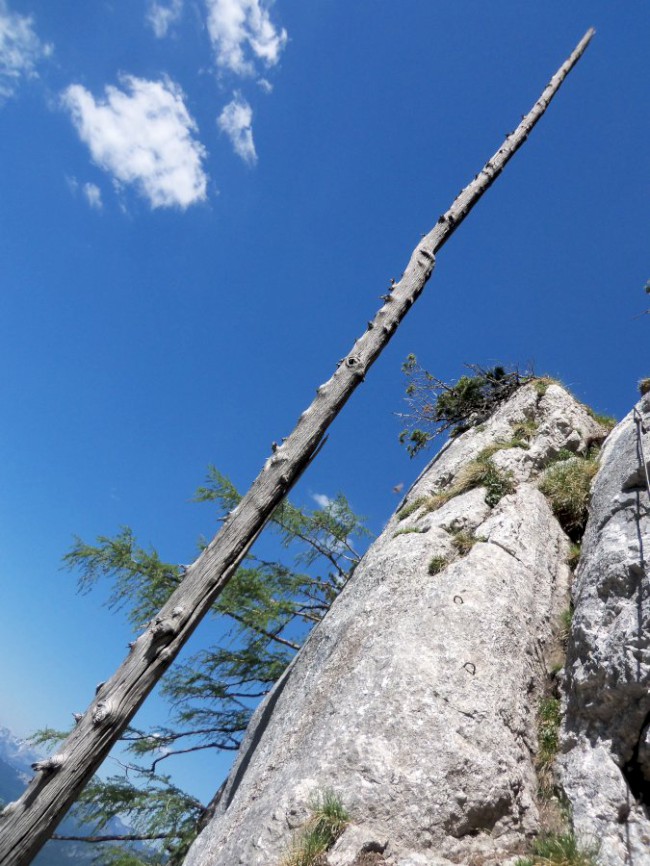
(242, 33)
(162, 16)
(20, 50)
(236, 121)
(143, 136)
(321, 500)
(93, 195)
(90, 191)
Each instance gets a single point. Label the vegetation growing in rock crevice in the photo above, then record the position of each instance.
(560, 849)
(327, 821)
(481, 472)
(437, 564)
(437, 407)
(464, 541)
(567, 486)
(549, 717)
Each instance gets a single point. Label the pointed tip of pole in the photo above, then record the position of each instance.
(589, 35)
(584, 42)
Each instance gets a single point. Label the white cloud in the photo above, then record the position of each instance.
(162, 16)
(142, 135)
(236, 121)
(20, 50)
(91, 192)
(242, 32)
(93, 195)
(321, 500)
(264, 85)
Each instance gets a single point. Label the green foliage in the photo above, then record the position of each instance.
(573, 559)
(412, 507)
(268, 607)
(155, 809)
(329, 815)
(567, 486)
(414, 440)
(437, 564)
(140, 581)
(408, 530)
(549, 718)
(497, 484)
(566, 618)
(327, 821)
(482, 472)
(523, 431)
(437, 407)
(560, 849)
(542, 384)
(463, 541)
(562, 454)
(48, 737)
(606, 421)
(644, 386)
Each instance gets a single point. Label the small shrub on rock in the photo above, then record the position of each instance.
(437, 407)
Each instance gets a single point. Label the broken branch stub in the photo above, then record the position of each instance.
(26, 824)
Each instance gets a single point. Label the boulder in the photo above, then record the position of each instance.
(415, 699)
(605, 765)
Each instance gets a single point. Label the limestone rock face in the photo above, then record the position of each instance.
(415, 699)
(605, 768)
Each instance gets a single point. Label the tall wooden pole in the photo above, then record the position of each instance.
(26, 824)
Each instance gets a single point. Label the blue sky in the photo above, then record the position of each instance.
(202, 201)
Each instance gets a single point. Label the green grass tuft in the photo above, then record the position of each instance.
(566, 617)
(644, 387)
(437, 564)
(483, 473)
(542, 384)
(327, 821)
(574, 556)
(524, 430)
(549, 716)
(407, 530)
(480, 472)
(560, 849)
(464, 541)
(567, 486)
(562, 455)
(412, 507)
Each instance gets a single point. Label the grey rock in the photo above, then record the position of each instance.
(415, 699)
(605, 765)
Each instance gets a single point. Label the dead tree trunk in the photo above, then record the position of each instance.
(26, 824)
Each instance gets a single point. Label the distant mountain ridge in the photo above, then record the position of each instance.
(16, 758)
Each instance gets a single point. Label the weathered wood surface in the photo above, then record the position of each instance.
(26, 824)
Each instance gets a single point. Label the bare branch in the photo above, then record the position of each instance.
(129, 837)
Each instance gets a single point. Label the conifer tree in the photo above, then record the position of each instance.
(270, 606)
